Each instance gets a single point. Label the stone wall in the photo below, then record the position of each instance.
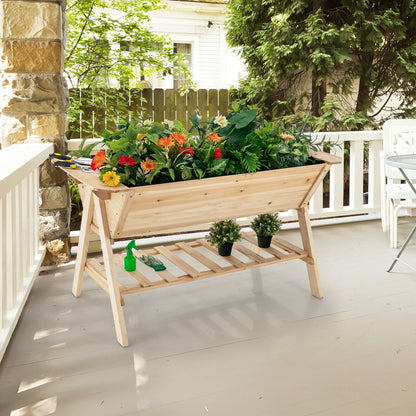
(33, 100)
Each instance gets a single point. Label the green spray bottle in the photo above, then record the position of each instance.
(130, 260)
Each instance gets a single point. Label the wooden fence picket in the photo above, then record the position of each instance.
(224, 102)
(203, 104)
(159, 105)
(181, 108)
(105, 108)
(212, 103)
(192, 105)
(170, 107)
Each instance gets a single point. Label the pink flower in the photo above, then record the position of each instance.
(217, 153)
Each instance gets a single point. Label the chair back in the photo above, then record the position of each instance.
(399, 138)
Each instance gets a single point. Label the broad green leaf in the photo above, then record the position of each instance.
(241, 120)
(217, 167)
(117, 145)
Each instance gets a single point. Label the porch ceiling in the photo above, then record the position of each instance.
(250, 343)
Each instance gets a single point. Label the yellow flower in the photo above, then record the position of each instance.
(141, 136)
(148, 121)
(111, 178)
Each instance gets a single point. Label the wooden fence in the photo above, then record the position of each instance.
(93, 110)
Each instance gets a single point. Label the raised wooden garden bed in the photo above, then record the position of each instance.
(123, 212)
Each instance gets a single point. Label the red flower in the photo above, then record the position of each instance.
(98, 160)
(187, 151)
(126, 160)
(217, 153)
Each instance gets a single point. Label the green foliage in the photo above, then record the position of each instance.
(222, 232)
(242, 121)
(147, 153)
(75, 197)
(305, 56)
(270, 146)
(266, 225)
(157, 153)
(83, 150)
(110, 43)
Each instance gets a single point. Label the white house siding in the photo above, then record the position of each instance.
(214, 64)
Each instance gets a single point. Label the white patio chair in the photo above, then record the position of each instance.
(399, 137)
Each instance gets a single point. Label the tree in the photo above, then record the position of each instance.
(308, 56)
(111, 40)
(109, 44)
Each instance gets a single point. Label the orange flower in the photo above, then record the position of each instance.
(287, 137)
(166, 141)
(178, 137)
(214, 137)
(148, 165)
(98, 160)
(141, 136)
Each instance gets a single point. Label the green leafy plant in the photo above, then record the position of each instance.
(266, 225)
(83, 150)
(76, 204)
(147, 152)
(222, 232)
(242, 121)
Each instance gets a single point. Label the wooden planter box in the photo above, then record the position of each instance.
(123, 212)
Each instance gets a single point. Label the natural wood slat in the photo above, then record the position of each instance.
(142, 280)
(289, 247)
(231, 259)
(200, 257)
(96, 269)
(177, 261)
(280, 255)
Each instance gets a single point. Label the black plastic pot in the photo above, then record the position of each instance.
(264, 241)
(225, 249)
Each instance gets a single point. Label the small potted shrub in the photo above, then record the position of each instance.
(265, 226)
(223, 234)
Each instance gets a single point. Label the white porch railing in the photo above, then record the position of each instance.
(364, 146)
(20, 252)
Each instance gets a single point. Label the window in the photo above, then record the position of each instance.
(186, 50)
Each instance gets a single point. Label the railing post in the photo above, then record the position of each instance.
(374, 188)
(356, 174)
(336, 181)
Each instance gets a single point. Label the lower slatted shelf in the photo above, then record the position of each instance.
(187, 261)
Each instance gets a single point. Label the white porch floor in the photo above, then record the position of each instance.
(254, 343)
